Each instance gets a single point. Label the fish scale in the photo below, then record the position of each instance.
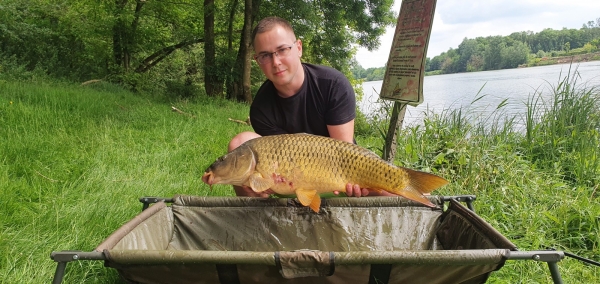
(306, 165)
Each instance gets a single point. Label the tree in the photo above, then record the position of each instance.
(493, 53)
(358, 71)
(67, 36)
(170, 17)
(451, 62)
(212, 83)
(466, 50)
(475, 63)
(239, 87)
(514, 55)
(435, 63)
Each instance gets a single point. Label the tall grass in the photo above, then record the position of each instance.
(74, 160)
(562, 134)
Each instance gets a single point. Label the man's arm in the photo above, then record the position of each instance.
(344, 132)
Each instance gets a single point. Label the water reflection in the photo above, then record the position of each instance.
(482, 92)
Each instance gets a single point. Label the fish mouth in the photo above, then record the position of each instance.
(208, 178)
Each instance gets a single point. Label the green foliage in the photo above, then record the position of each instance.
(157, 46)
(11, 69)
(540, 54)
(65, 52)
(370, 74)
(376, 124)
(587, 48)
(501, 52)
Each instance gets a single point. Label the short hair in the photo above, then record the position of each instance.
(268, 24)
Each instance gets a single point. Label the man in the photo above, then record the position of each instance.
(297, 97)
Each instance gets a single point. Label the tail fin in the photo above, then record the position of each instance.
(420, 183)
(424, 182)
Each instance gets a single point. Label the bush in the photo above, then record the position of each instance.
(540, 54)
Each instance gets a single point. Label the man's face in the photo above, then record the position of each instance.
(281, 69)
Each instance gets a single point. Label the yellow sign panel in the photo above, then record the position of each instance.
(405, 70)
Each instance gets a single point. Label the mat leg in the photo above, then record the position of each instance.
(60, 273)
(556, 278)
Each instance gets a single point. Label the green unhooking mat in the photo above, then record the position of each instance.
(276, 240)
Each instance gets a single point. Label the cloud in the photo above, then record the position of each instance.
(472, 12)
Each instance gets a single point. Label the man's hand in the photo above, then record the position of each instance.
(354, 190)
(246, 191)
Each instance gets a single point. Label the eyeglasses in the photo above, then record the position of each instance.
(267, 57)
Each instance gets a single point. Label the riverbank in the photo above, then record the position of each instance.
(595, 56)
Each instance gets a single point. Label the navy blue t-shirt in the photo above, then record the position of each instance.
(326, 98)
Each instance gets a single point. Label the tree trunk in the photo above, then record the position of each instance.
(239, 88)
(123, 34)
(119, 31)
(246, 50)
(212, 84)
(230, 26)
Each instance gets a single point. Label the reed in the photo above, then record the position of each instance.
(562, 133)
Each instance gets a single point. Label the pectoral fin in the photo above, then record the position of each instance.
(258, 183)
(309, 198)
(316, 203)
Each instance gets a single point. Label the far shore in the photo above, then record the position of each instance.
(544, 61)
(595, 56)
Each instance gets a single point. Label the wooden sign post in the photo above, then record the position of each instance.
(403, 80)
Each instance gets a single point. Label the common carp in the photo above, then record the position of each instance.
(306, 165)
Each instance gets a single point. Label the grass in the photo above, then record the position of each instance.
(74, 160)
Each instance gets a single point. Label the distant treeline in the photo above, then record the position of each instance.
(503, 52)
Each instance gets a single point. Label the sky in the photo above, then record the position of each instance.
(456, 19)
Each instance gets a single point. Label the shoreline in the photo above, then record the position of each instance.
(594, 56)
(544, 61)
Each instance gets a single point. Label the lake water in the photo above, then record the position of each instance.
(516, 86)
